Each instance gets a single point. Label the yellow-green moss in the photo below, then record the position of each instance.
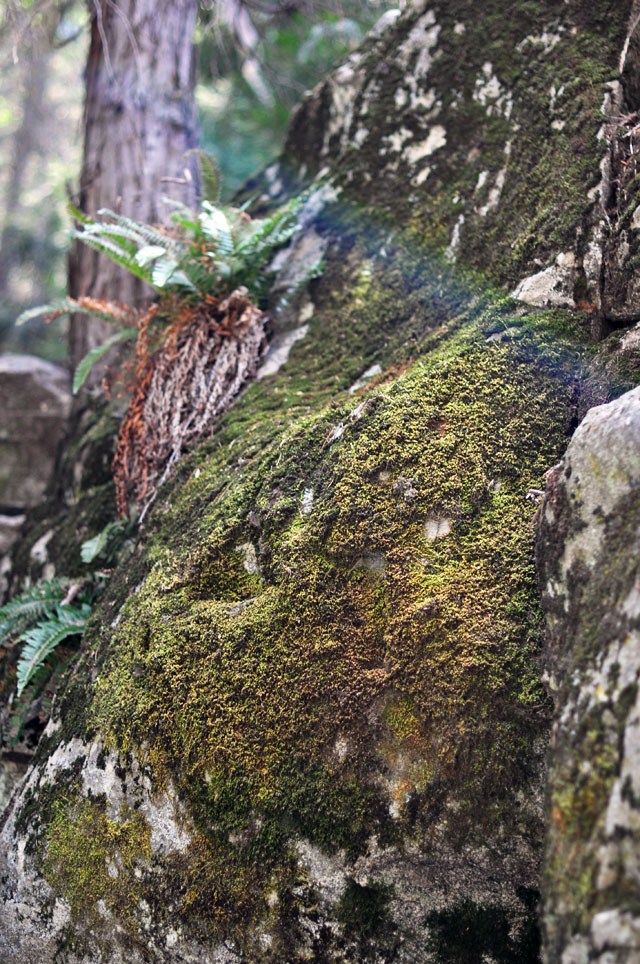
(89, 858)
(365, 664)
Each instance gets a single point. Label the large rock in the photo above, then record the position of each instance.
(35, 398)
(589, 563)
(308, 723)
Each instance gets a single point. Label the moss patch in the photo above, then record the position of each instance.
(469, 934)
(518, 99)
(333, 670)
(90, 858)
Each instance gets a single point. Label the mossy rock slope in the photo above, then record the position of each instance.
(307, 723)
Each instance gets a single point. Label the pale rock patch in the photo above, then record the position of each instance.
(552, 287)
(437, 138)
(364, 378)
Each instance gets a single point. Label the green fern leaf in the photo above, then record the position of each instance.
(210, 176)
(216, 226)
(149, 253)
(42, 640)
(59, 307)
(140, 233)
(31, 605)
(162, 271)
(116, 252)
(89, 360)
(77, 214)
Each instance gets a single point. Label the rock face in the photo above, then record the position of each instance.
(589, 563)
(307, 722)
(35, 400)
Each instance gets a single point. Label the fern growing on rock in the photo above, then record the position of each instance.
(44, 638)
(41, 618)
(197, 344)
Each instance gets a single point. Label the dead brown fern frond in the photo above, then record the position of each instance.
(182, 387)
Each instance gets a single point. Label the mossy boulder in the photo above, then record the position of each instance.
(307, 723)
(589, 532)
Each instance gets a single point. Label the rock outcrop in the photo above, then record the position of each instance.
(35, 399)
(589, 562)
(308, 721)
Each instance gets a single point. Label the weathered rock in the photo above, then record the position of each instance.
(35, 398)
(589, 564)
(323, 654)
(495, 136)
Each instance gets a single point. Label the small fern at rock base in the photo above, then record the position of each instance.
(41, 618)
(41, 640)
(31, 606)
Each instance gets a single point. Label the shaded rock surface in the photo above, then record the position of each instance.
(589, 563)
(307, 722)
(35, 400)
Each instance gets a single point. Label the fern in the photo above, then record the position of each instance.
(31, 605)
(210, 252)
(41, 618)
(122, 255)
(89, 360)
(41, 640)
(106, 543)
(145, 233)
(106, 310)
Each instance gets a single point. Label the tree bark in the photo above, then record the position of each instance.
(140, 122)
(28, 138)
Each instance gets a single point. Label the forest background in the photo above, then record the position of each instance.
(255, 61)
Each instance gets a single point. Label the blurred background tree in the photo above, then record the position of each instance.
(42, 55)
(256, 58)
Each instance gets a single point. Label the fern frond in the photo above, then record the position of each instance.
(77, 214)
(89, 360)
(31, 605)
(62, 306)
(145, 234)
(208, 173)
(42, 640)
(215, 225)
(271, 231)
(117, 252)
(106, 310)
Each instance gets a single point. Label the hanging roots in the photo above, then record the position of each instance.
(183, 387)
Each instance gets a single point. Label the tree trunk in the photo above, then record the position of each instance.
(140, 122)
(28, 138)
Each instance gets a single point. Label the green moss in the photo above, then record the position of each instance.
(365, 663)
(338, 673)
(521, 169)
(89, 858)
(470, 934)
(364, 666)
(363, 909)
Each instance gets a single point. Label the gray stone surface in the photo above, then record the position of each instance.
(589, 567)
(229, 809)
(35, 399)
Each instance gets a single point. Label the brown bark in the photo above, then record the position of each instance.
(140, 120)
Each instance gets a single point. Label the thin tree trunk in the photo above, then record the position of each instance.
(28, 137)
(140, 122)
